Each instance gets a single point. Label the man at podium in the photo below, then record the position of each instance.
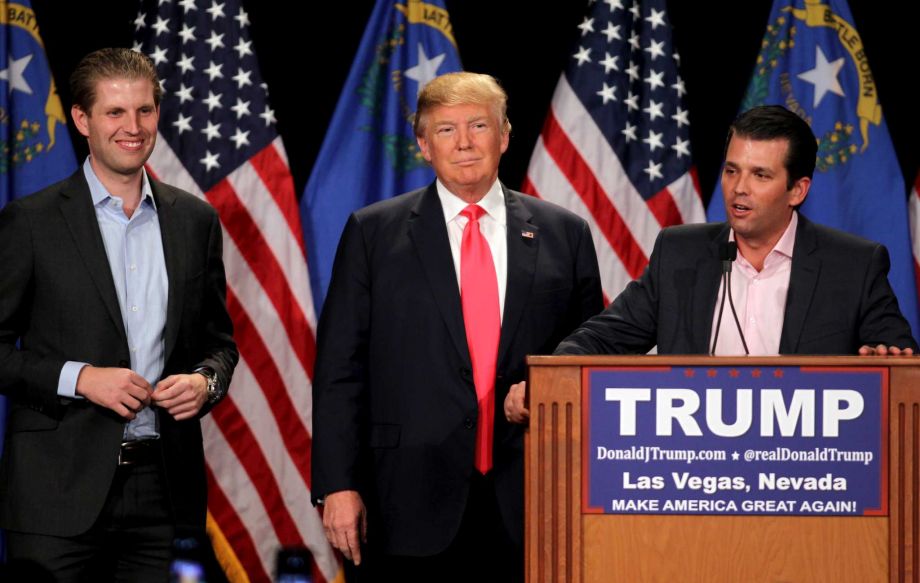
(796, 287)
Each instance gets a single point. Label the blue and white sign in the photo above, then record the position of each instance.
(736, 440)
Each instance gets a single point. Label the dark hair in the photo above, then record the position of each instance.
(112, 63)
(775, 122)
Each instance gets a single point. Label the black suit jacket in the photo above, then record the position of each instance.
(58, 299)
(395, 408)
(838, 300)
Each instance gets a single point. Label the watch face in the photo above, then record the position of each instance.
(211, 377)
(213, 392)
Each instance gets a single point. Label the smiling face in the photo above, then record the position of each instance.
(758, 200)
(121, 127)
(464, 144)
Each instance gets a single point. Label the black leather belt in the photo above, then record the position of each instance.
(135, 453)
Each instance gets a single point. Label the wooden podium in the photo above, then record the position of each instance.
(564, 544)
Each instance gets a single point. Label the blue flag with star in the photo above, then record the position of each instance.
(812, 61)
(369, 152)
(36, 149)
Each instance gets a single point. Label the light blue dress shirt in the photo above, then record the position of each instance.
(134, 248)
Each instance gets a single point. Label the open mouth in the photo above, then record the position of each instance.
(740, 208)
(130, 145)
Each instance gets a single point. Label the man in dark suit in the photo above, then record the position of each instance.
(436, 297)
(799, 288)
(114, 340)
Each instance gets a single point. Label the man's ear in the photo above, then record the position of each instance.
(799, 191)
(423, 146)
(80, 119)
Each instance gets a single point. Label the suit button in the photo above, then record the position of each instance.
(124, 364)
(466, 373)
(468, 423)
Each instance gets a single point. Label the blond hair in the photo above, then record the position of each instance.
(461, 89)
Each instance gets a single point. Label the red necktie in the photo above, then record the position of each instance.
(482, 320)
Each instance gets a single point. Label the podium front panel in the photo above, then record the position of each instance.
(565, 543)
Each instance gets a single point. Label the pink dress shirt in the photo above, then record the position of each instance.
(760, 300)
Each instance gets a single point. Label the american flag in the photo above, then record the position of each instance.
(615, 147)
(914, 215)
(217, 140)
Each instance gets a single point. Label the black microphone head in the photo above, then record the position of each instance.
(728, 251)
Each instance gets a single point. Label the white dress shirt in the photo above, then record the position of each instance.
(493, 226)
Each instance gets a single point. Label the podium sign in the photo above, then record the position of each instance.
(781, 440)
(630, 471)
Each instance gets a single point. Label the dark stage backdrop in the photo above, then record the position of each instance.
(306, 48)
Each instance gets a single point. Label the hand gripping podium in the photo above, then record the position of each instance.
(716, 469)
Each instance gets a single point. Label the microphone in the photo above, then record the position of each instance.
(728, 252)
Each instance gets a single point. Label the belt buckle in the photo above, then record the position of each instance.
(122, 460)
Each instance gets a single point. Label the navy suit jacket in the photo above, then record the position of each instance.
(58, 299)
(395, 408)
(839, 297)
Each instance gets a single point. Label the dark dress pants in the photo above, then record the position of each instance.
(130, 541)
(481, 552)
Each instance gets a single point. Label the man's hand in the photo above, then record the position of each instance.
(182, 395)
(515, 412)
(120, 389)
(345, 523)
(882, 350)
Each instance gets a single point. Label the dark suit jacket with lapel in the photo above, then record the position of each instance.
(838, 300)
(394, 403)
(58, 299)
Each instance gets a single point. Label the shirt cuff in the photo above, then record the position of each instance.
(67, 382)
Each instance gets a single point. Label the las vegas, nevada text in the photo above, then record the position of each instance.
(707, 484)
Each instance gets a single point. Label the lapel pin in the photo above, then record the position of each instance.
(527, 234)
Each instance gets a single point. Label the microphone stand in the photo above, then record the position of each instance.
(727, 253)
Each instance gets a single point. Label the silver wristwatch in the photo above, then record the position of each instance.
(208, 373)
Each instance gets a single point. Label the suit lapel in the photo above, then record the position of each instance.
(170, 232)
(428, 233)
(709, 273)
(522, 261)
(802, 282)
(80, 216)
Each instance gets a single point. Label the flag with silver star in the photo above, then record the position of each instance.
(369, 152)
(615, 147)
(217, 140)
(813, 62)
(36, 148)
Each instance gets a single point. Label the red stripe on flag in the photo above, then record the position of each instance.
(276, 176)
(233, 530)
(151, 173)
(696, 183)
(606, 216)
(263, 263)
(249, 452)
(297, 440)
(528, 188)
(912, 202)
(917, 273)
(665, 210)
